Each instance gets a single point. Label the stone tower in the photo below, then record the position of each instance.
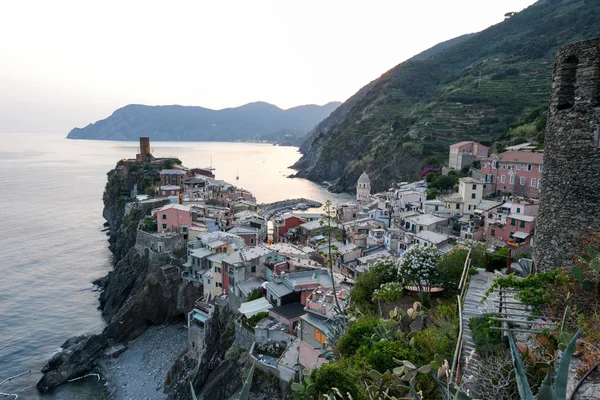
(363, 189)
(570, 187)
(144, 154)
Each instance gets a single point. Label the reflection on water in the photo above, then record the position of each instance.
(53, 247)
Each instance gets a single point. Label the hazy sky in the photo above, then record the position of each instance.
(66, 63)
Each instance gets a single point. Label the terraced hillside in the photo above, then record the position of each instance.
(472, 88)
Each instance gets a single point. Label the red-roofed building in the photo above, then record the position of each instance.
(517, 172)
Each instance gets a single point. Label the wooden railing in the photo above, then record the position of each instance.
(462, 288)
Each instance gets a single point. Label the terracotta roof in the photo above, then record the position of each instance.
(522, 156)
(461, 143)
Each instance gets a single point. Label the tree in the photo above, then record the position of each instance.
(330, 223)
(419, 268)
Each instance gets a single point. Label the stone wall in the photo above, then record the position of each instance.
(244, 339)
(570, 188)
(159, 242)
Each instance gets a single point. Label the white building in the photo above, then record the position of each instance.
(363, 189)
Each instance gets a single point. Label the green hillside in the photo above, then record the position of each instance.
(474, 89)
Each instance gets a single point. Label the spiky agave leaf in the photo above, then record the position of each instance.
(522, 382)
(562, 372)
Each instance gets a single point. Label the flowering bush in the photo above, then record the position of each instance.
(418, 267)
(427, 171)
(388, 292)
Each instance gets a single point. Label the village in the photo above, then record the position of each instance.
(278, 264)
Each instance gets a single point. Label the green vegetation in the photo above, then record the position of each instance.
(492, 84)
(486, 340)
(256, 318)
(255, 295)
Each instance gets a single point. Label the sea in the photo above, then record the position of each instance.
(52, 245)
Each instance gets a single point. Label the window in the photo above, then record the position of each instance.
(164, 226)
(503, 178)
(522, 180)
(164, 216)
(528, 167)
(473, 195)
(457, 206)
(518, 167)
(319, 336)
(540, 168)
(251, 240)
(218, 270)
(474, 187)
(218, 284)
(504, 167)
(424, 244)
(436, 208)
(184, 229)
(253, 268)
(522, 224)
(512, 234)
(512, 180)
(532, 182)
(493, 232)
(518, 210)
(513, 221)
(566, 76)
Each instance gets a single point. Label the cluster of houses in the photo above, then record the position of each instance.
(234, 252)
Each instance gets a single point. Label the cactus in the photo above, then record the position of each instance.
(304, 390)
(556, 391)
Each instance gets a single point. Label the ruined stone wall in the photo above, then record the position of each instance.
(570, 188)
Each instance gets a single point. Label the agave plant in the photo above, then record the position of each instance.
(553, 388)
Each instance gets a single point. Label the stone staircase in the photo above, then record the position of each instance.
(472, 306)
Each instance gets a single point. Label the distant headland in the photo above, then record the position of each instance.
(254, 121)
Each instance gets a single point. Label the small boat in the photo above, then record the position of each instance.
(96, 288)
(237, 175)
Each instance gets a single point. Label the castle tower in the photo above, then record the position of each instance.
(144, 154)
(363, 189)
(570, 185)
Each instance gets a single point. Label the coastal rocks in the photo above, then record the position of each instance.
(128, 274)
(207, 371)
(76, 358)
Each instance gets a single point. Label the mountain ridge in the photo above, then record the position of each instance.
(175, 122)
(472, 89)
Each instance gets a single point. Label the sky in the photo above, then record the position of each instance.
(67, 63)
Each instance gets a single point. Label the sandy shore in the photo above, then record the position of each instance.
(139, 372)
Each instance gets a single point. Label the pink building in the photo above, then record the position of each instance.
(517, 172)
(516, 228)
(463, 154)
(174, 218)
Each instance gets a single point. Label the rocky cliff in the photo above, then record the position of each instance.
(470, 88)
(136, 292)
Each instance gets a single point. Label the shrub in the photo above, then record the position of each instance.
(486, 340)
(498, 260)
(380, 356)
(388, 292)
(380, 273)
(256, 318)
(255, 294)
(358, 333)
(334, 375)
